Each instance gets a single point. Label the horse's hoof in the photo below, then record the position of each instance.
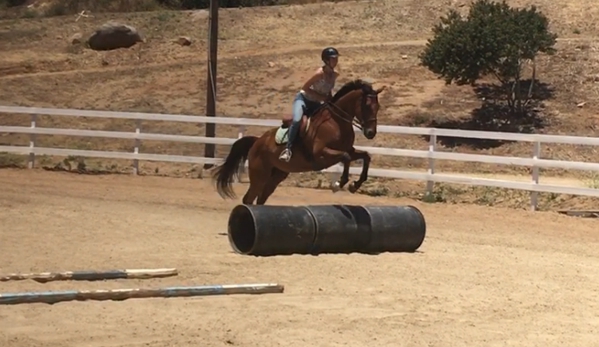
(335, 187)
(352, 188)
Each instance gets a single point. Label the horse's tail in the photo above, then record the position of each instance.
(224, 174)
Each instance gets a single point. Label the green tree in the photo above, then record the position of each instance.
(494, 39)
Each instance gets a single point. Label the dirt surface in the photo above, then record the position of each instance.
(261, 63)
(483, 277)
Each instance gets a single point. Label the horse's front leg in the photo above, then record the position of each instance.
(344, 178)
(365, 157)
(354, 155)
(329, 156)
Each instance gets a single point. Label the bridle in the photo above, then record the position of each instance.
(361, 124)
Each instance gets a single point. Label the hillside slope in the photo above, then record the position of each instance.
(265, 53)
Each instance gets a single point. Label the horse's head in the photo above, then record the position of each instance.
(360, 100)
(369, 109)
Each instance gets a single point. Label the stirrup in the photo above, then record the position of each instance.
(285, 155)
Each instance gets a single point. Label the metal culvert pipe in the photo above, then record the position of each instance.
(271, 230)
(338, 229)
(395, 228)
(281, 230)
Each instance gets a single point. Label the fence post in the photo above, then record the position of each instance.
(136, 148)
(31, 164)
(534, 196)
(241, 131)
(432, 146)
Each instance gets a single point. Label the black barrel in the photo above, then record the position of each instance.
(395, 228)
(264, 230)
(339, 229)
(271, 230)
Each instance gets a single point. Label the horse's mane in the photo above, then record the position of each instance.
(350, 87)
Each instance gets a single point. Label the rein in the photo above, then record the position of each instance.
(358, 124)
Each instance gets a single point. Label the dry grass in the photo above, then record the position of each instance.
(51, 8)
(39, 67)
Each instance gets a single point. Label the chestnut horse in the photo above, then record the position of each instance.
(325, 138)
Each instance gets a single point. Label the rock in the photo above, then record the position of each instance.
(200, 15)
(113, 35)
(76, 39)
(184, 41)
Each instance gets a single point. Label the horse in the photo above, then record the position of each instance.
(325, 138)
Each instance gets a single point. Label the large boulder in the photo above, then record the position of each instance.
(113, 35)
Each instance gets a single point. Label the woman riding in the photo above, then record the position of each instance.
(317, 90)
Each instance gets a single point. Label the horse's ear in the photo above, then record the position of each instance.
(378, 91)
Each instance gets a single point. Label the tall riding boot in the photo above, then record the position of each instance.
(293, 129)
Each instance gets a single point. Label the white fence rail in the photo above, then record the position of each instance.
(431, 154)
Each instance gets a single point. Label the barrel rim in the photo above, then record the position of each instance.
(230, 236)
(423, 225)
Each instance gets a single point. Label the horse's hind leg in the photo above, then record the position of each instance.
(257, 185)
(274, 180)
(250, 195)
(259, 178)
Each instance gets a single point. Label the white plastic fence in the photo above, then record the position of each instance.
(431, 154)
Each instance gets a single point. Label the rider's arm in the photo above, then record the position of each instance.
(312, 94)
(330, 95)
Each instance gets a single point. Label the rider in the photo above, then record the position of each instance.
(317, 90)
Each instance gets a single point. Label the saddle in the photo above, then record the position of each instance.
(286, 120)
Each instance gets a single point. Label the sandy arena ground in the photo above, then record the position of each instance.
(484, 276)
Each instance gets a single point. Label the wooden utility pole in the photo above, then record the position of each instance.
(211, 79)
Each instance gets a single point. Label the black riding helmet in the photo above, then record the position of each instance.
(329, 52)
